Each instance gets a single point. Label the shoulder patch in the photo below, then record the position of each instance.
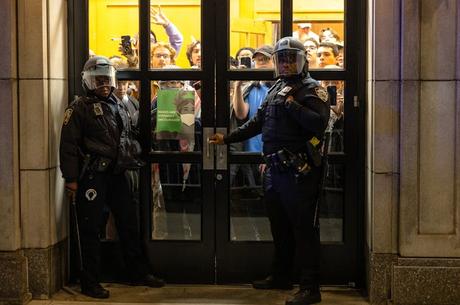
(67, 115)
(97, 107)
(322, 93)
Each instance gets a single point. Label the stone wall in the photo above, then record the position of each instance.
(413, 135)
(33, 96)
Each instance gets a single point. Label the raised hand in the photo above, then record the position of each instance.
(158, 17)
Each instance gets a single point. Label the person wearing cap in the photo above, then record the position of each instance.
(304, 32)
(247, 100)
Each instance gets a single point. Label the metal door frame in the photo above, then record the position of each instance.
(215, 233)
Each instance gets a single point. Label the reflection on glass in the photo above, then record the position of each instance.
(176, 116)
(334, 131)
(118, 35)
(319, 25)
(176, 201)
(331, 209)
(253, 24)
(175, 34)
(248, 220)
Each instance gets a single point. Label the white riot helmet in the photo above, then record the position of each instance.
(98, 72)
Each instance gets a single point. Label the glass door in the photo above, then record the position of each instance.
(329, 31)
(202, 207)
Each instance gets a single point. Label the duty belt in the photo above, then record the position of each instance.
(300, 162)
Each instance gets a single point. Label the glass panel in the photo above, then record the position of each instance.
(248, 216)
(176, 115)
(176, 201)
(244, 100)
(175, 35)
(334, 132)
(320, 26)
(128, 92)
(113, 26)
(331, 209)
(253, 24)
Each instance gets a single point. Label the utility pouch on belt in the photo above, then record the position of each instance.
(283, 160)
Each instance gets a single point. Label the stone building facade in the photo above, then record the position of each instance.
(412, 165)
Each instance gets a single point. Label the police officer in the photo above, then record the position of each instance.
(292, 120)
(96, 150)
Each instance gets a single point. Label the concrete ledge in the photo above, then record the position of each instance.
(380, 275)
(13, 278)
(423, 281)
(413, 281)
(47, 269)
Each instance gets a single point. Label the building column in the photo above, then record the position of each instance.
(14, 287)
(413, 203)
(42, 71)
(33, 95)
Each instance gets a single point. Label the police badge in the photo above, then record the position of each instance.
(67, 115)
(285, 91)
(322, 93)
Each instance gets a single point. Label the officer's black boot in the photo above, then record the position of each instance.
(272, 282)
(149, 280)
(95, 291)
(305, 296)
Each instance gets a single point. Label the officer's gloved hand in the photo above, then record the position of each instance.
(71, 190)
(217, 138)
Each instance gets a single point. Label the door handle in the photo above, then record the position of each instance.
(221, 162)
(208, 154)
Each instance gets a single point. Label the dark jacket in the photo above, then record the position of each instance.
(288, 125)
(99, 129)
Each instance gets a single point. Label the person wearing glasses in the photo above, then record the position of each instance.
(311, 46)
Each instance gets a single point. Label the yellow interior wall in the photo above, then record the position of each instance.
(251, 21)
(110, 19)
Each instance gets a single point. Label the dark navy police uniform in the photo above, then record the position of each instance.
(290, 197)
(97, 151)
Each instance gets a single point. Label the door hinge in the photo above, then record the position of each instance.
(355, 101)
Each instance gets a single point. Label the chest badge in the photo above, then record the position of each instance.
(285, 91)
(322, 93)
(67, 115)
(91, 194)
(97, 108)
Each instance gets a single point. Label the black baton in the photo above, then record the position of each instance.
(77, 230)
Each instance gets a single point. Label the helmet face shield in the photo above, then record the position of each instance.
(101, 76)
(289, 63)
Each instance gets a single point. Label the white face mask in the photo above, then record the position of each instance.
(188, 119)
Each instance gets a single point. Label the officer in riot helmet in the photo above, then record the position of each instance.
(97, 149)
(292, 120)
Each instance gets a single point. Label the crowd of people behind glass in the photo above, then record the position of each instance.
(324, 51)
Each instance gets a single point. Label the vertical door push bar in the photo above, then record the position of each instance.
(209, 149)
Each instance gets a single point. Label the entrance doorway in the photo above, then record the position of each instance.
(201, 207)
